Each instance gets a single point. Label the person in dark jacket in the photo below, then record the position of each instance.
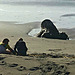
(20, 47)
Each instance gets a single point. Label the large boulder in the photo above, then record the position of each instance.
(49, 26)
(49, 30)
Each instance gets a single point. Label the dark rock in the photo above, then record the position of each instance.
(49, 30)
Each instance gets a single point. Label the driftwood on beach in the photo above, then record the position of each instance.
(49, 30)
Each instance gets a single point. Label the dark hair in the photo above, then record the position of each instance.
(20, 39)
(5, 40)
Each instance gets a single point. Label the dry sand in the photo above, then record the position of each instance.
(45, 56)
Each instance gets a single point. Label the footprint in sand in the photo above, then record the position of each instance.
(2, 63)
(55, 50)
(13, 65)
(71, 63)
(67, 73)
(61, 68)
(34, 68)
(21, 68)
(1, 58)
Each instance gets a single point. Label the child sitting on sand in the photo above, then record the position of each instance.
(20, 47)
(4, 46)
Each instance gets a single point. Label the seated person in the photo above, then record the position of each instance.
(4, 46)
(20, 47)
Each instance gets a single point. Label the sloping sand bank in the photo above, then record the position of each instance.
(44, 55)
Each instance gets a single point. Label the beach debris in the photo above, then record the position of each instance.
(21, 68)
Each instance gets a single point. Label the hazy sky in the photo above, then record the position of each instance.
(24, 0)
(32, 0)
(40, 2)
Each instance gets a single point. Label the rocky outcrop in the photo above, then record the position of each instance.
(49, 30)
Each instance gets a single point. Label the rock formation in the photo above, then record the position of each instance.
(49, 30)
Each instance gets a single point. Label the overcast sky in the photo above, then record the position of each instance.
(40, 2)
(33, 0)
(25, 0)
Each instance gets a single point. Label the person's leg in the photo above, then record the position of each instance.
(7, 52)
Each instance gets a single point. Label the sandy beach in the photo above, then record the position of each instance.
(45, 56)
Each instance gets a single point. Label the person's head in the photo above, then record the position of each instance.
(5, 41)
(20, 39)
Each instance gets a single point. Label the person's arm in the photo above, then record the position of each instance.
(25, 46)
(9, 48)
(15, 47)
